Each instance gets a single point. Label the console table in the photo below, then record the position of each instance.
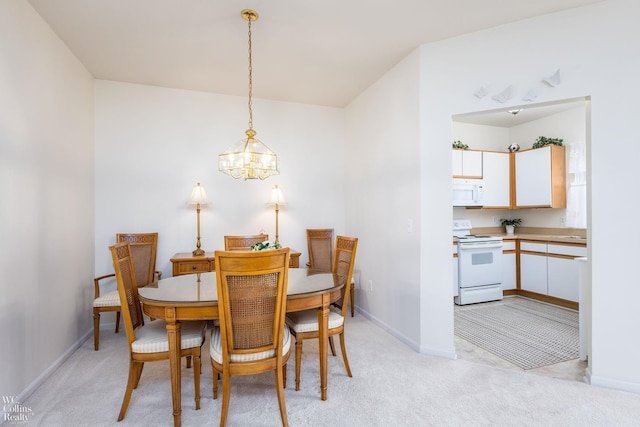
(186, 263)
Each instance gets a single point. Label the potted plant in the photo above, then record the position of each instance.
(543, 141)
(458, 145)
(510, 224)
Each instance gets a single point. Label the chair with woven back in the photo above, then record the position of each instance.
(149, 342)
(143, 251)
(320, 245)
(243, 243)
(252, 337)
(304, 324)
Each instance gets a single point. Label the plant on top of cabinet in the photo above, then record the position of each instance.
(543, 140)
(458, 145)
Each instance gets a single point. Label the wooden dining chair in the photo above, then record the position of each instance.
(243, 243)
(149, 342)
(143, 251)
(320, 246)
(252, 337)
(304, 324)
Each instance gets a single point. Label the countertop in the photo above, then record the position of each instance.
(560, 235)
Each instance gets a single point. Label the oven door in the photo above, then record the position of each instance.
(479, 263)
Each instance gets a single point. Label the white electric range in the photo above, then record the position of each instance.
(479, 265)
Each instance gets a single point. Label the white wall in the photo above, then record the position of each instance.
(383, 196)
(46, 188)
(594, 49)
(153, 144)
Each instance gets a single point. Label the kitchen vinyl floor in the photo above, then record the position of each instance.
(573, 370)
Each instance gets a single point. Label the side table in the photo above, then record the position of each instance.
(186, 263)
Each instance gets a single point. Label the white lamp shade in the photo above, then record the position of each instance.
(276, 197)
(198, 196)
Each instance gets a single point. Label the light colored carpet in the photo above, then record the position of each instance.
(524, 332)
(392, 385)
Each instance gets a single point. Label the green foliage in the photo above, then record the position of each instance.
(458, 145)
(265, 246)
(515, 222)
(543, 140)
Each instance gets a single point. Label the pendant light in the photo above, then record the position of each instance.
(249, 158)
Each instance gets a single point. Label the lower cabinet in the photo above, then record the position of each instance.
(533, 273)
(509, 278)
(550, 269)
(455, 270)
(563, 271)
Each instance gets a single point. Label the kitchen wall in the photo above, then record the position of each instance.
(46, 188)
(570, 125)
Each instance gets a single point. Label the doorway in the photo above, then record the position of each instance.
(497, 130)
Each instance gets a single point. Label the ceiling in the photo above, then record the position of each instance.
(322, 52)
(513, 116)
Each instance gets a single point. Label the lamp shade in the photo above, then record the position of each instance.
(276, 197)
(248, 159)
(198, 196)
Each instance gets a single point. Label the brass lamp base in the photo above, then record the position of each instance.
(198, 252)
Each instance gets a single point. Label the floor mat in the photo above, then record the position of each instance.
(524, 332)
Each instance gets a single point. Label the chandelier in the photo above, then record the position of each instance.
(249, 158)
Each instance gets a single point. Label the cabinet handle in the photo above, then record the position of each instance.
(193, 267)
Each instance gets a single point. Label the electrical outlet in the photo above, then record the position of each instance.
(370, 285)
(494, 219)
(563, 220)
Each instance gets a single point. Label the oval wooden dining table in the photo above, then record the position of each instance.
(195, 297)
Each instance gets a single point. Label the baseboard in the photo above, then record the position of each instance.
(403, 338)
(55, 365)
(611, 383)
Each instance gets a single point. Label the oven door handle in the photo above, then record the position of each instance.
(479, 245)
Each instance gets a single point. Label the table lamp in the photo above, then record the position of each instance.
(276, 199)
(198, 197)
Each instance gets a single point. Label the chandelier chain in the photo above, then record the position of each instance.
(250, 78)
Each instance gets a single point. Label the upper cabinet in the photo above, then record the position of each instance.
(467, 164)
(496, 171)
(540, 178)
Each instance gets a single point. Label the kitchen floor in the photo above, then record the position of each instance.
(573, 370)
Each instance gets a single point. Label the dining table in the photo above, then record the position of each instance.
(195, 297)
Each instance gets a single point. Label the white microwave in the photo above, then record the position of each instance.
(468, 192)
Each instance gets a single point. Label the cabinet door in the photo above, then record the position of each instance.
(496, 175)
(472, 164)
(509, 271)
(533, 273)
(455, 271)
(456, 165)
(564, 273)
(533, 177)
(466, 164)
(564, 278)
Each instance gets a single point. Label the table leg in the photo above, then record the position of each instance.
(174, 337)
(323, 337)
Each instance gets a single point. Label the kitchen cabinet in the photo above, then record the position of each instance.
(533, 273)
(455, 270)
(466, 164)
(563, 272)
(540, 178)
(496, 173)
(509, 277)
(550, 269)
